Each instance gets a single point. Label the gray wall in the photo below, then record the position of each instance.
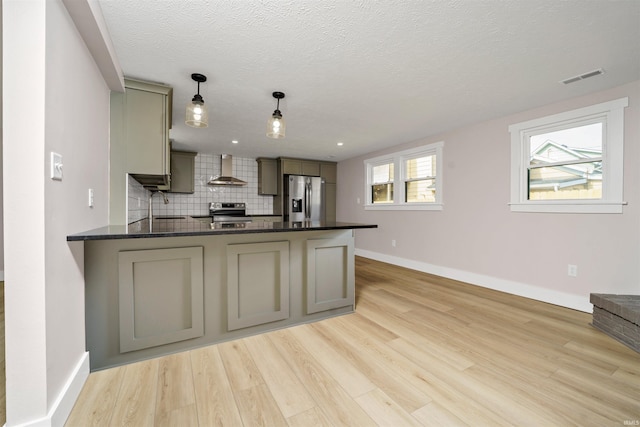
(68, 105)
(1, 168)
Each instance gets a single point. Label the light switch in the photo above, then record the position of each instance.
(56, 166)
(91, 197)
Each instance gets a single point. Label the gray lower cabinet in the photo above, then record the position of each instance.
(330, 274)
(150, 297)
(160, 296)
(257, 283)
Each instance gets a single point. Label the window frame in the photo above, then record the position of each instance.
(399, 178)
(611, 114)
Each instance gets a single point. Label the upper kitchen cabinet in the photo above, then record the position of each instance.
(146, 123)
(182, 171)
(300, 167)
(139, 142)
(267, 176)
(329, 171)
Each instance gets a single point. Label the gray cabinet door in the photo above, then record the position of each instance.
(291, 167)
(267, 177)
(330, 274)
(329, 171)
(147, 128)
(329, 202)
(160, 296)
(257, 283)
(182, 171)
(310, 168)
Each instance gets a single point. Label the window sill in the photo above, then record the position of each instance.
(574, 207)
(405, 207)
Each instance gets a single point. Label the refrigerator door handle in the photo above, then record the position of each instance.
(307, 200)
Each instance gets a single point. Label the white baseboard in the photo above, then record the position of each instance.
(563, 299)
(67, 398)
(63, 405)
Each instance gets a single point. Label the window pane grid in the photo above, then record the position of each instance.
(420, 167)
(419, 179)
(382, 173)
(382, 193)
(420, 191)
(414, 170)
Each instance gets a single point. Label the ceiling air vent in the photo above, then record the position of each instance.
(583, 76)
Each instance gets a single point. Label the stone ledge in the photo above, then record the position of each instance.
(625, 306)
(619, 317)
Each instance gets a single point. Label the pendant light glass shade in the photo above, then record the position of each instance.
(276, 126)
(197, 115)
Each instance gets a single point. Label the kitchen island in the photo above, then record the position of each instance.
(187, 283)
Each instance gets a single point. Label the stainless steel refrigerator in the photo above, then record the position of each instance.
(304, 198)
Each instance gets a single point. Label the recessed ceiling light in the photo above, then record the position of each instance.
(340, 144)
(235, 141)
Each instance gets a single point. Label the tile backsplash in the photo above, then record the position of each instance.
(207, 166)
(137, 201)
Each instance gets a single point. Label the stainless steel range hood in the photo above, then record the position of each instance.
(226, 178)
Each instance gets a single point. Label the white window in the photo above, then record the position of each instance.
(569, 162)
(405, 180)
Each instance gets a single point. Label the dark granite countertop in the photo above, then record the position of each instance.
(188, 226)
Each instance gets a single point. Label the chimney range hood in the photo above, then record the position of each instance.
(226, 177)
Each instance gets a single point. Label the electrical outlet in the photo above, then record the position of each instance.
(393, 243)
(572, 270)
(358, 200)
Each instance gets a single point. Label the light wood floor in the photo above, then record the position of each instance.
(420, 350)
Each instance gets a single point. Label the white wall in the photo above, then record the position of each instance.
(477, 239)
(55, 99)
(1, 180)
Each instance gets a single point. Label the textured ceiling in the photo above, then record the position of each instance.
(370, 74)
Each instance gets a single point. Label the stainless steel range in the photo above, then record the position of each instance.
(228, 212)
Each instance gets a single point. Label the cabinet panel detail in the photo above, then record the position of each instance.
(257, 283)
(182, 171)
(330, 274)
(160, 296)
(146, 128)
(291, 167)
(329, 171)
(310, 168)
(267, 176)
(329, 202)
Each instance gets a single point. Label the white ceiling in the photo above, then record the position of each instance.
(370, 74)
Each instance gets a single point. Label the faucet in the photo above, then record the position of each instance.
(166, 201)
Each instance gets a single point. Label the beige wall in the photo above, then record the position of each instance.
(476, 238)
(49, 73)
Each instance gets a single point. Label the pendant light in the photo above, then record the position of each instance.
(276, 124)
(197, 115)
